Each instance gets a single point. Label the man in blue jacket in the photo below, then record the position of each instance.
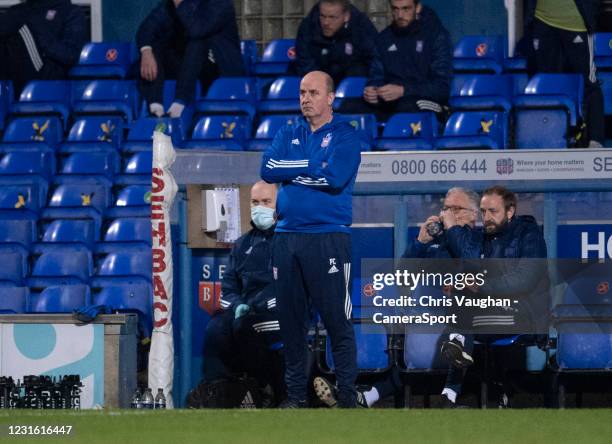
(337, 38)
(245, 335)
(316, 162)
(506, 236)
(40, 40)
(560, 33)
(412, 68)
(187, 40)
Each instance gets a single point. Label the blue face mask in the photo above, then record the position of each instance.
(262, 217)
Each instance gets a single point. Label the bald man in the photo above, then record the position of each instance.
(315, 161)
(243, 337)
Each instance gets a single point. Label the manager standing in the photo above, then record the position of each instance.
(316, 162)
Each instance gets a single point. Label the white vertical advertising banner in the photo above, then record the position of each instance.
(163, 191)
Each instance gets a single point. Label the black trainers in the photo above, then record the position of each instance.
(448, 404)
(455, 355)
(328, 394)
(292, 404)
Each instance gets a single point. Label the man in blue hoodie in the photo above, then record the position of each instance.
(337, 38)
(186, 40)
(316, 162)
(40, 40)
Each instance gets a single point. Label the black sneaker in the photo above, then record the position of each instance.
(455, 355)
(328, 394)
(292, 404)
(448, 404)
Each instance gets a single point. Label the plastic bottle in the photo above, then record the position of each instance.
(147, 399)
(160, 399)
(136, 400)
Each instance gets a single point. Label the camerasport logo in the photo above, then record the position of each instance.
(505, 166)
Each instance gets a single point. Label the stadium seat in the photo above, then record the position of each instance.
(283, 96)
(140, 136)
(67, 234)
(127, 265)
(518, 62)
(408, 131)
(6, 99)
(475, 130)
(132, 201)
(108, 98)
(33, 168)
(103, 60)
(21, 201)
(349, 87)
(61, 267)
(221, 133)
(13, 299)
(79, 201)
(76, 167)
(32, 134)
(603, 51)
(94, 134)
(248, 49)
(14, 266)
(367, 127)
(137, 170)
(60, 299)
(485, 92)
(18, 232)
(267, 129)
(544, 114)
(126, 235)
(606, 85)
(230, 95)
(479, 53)
(45, 97)
(128, 297)
(276, 58)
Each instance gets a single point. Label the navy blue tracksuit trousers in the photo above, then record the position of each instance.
(314, 269)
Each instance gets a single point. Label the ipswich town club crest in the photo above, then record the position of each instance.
(326, 140)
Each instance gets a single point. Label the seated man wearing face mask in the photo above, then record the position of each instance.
(244, 337)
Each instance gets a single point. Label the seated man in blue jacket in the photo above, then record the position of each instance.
(40, 40)
(336, 38)
(245, 336)
(187, 40)
(412, 68)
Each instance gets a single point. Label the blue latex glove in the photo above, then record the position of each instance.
(241, 310)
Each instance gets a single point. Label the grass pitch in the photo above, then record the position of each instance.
(379, 426)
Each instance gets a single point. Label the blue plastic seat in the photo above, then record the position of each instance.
(60, 299)
(127, 298)
(221, 133)
(485, 92)
(248, 49)
(102, 60)
(32, 134)
(21, 201)
(61, 267)
(140, 136)
(13, 299)
(94, 134)
(18, 232)
(108, 97)
(367, 127)
(230, 95)
(550, 105)
(34, 168)
(479, 53)
(475, 130)
(6, 99)
(372, 349)
(126, 235)
(349, 87)
(100, 165)
(603, 51)
(126, 265)
(267, 129)
(283, 96)
(408, 131)
(179, 126)
(606, 85)
(132, 201)
(276, 58)
(137, 170)
(79, 201)
(518, 62)
(14, 266)
(45, 97)
(68, 234)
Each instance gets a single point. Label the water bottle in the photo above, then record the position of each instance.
(160, 399)
(136, 400)
(147, 399)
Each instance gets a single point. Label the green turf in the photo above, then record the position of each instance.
(377, 426)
